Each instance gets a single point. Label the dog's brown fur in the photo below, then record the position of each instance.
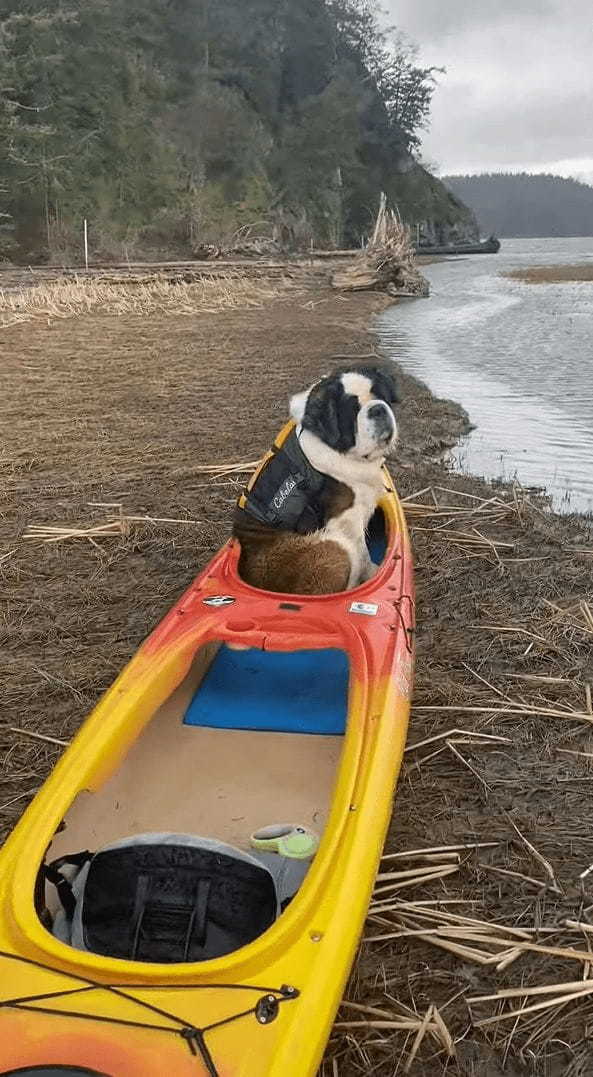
(284, 561)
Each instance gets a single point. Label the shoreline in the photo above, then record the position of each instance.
(124, 409)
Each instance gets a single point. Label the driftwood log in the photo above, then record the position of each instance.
(388, 263)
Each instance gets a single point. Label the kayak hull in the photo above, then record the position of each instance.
(268, 1007)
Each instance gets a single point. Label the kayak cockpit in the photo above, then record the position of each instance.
(215, 766)
(249, 739)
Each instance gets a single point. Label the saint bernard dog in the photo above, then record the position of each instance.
(301, 522)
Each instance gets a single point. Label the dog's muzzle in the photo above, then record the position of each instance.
(383, 422)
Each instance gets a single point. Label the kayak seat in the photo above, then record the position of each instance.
(170, 897)
(274, 691)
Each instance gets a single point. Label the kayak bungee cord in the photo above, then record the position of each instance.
(265, 1009)
(408, 632)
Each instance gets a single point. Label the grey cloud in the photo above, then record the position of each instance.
(512, 132)
(518, 87)
(431, 20)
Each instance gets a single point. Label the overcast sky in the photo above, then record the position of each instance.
(518, 91)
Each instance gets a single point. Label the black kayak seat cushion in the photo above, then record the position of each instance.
(168, 903)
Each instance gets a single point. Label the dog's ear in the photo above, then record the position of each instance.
(321, 413)
(331, 413)
(384, 386)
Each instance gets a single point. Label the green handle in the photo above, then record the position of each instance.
(292, 841)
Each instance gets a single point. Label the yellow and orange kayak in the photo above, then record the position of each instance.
(242, 709)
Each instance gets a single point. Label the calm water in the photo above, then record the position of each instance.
(518, 357)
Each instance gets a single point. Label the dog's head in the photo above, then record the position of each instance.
(352, 412)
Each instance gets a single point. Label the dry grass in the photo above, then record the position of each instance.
(117, 526)
(497, 942)
(553, 274)
(486, 885)
(67, 298)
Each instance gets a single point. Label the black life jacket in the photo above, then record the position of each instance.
(286, 491)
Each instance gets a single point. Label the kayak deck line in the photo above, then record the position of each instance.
(265, 1009)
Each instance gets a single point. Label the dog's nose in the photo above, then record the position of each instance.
(383, 422)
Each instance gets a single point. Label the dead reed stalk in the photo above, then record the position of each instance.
(67, 298)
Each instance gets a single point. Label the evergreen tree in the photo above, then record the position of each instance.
(519, 204)
(176, 122)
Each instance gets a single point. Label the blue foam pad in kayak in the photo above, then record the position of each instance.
(376, 538)
(276, 691)
(376, 547)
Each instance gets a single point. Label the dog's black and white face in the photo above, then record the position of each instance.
(351, 412)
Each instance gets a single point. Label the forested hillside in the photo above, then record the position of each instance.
(526, 205)
(175, 123)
